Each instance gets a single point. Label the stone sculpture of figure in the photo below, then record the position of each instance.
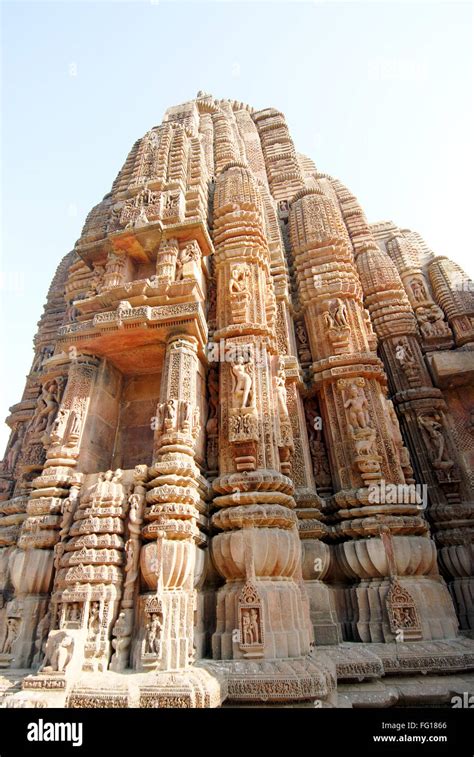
(160, 411)
(366, 445)
(56, 427)
(404, 353)
(131, 564)
(14, 451)
(74, 424)
(59, 653)
(246, 629)
(419, 292)
(186, 413)
(242, 383)
(238, 280)
(254, 626)
(59, 550)
(322, 474)
(134, 514)
(43, 355)
(94, 621)
(357, 406)
(154, 627)
(281, 393)
(426, 327)
(46, 407)
(367, 320)
(68, 507)
(117, 476)
(329, 322)
(130, 555)
(170, 411)
(42, 631)
(13, 629)
(95, 281)
(301, 334)
(434, 430)
(340, 314)
(122, 632)
(142, 217)
(75, 612)
(186, 255)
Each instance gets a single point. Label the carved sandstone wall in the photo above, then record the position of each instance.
(246, 439)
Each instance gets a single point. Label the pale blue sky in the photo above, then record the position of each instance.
(378, 94)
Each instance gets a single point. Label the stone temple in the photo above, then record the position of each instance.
(241, 470)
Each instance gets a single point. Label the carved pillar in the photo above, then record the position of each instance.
(87, 584)
(115, 271)
(174, 501)
(454, 292)
(123, 627)
(57, 425)
(363, 446)
(422, 410)
(435, 332)
(166, 261)
(261, 610)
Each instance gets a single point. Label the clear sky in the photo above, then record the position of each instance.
(379, 94)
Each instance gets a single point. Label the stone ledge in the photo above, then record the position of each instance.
(451, 369)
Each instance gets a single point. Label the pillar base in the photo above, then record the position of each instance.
(297, 679)
(192, 688)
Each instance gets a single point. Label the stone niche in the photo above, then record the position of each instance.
(134, 438)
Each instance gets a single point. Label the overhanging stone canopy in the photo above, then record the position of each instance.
(241, 469)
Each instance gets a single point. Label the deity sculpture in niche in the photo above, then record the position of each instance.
(407, 360)
(321, 470)
(242, 384)
(402, 452)
(239, 290)
(251, 621)
(189, 253)
(281, 391)
(152, 644)
(402, 613)
(46, 408)
(336, 324)
(431, 322)
(304, 352)
(433, 426)
(122, 632)
(94, 621)
(13, 453)
(360, 429)
(418, 289)
(357, 406)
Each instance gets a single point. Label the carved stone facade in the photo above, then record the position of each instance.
(241, 467)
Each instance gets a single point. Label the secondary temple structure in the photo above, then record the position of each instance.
(241, 470)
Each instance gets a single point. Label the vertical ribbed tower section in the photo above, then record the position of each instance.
(255, 498)
(262, 610)
(426, 423)
(454, 292)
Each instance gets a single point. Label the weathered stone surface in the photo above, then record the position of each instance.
(243, 405)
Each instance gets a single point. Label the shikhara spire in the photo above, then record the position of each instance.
(246, 438)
